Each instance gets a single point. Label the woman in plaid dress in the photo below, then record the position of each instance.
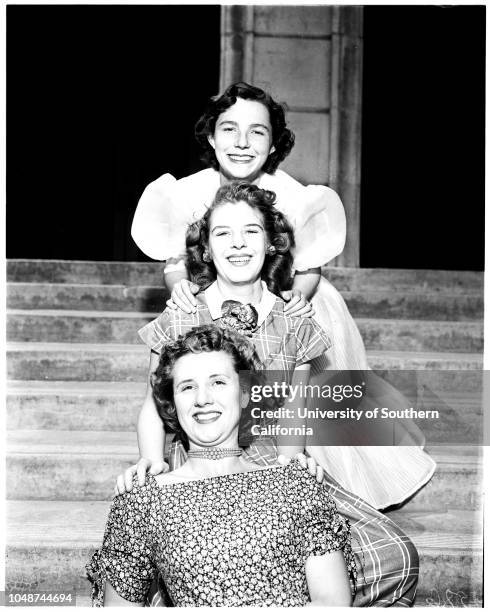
(241, 252)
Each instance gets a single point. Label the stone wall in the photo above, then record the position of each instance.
(311, 58)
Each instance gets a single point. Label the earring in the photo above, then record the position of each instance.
(271, 249)
(206, 257)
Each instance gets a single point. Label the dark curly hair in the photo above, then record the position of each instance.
(282, 137)
(203, 339)
(277, 268)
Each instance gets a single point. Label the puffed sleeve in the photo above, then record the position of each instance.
(155, 220)
(166, 208)
(319, 227)
(126, 558)
(160, 331)
(312, 343)
(316, 214)
(324, 530)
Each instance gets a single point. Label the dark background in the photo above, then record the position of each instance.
(102, 100)
(423, 141)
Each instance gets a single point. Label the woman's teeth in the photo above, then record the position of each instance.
(239, 261)
(206, 417)
(241, 158)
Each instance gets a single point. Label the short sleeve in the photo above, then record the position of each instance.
(159, 332)
(127, 553)
(324, 530)
(319, 227)
(312, 343)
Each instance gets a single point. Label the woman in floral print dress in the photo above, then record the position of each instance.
(221, 530)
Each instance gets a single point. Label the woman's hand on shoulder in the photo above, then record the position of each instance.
(182, 296)
(307, 463)
(296, 304)
(124, 482)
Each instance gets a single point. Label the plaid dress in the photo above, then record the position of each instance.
(386, 558)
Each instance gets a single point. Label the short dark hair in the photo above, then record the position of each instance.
(202, 339)
(277, 268)
(282, 137)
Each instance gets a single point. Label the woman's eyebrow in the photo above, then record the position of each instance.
(261, 125)
(181, 382)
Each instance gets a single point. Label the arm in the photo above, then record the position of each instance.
(112, 599)
(171, 278)
(287, 445)
(151, 440)
(304, 286)
(327, 580)
(151, 433)
(307, 281)
(182, 291)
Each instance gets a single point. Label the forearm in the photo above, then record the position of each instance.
(291, 445)
(150, 429)
(151, 433)
(307, 281)
(171, 278)
(112, 599)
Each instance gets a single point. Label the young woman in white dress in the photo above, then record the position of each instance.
(244, 136)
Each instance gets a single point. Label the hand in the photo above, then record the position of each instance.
(297, 305)
(307, 463)
(124, 481)
(183, 296)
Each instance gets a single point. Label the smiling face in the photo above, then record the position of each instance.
(242, 140)
(237, 243)
(208, 398)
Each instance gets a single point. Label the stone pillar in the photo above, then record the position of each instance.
(311, 58)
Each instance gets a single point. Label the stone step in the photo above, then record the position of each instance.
(129, 362)
(448, 577)
(151, 274)
(413, 335)
(396, 304)
(70, 465)
(67, 464)
(49, 542)
(122, 327)
(435, 306)
(114, 406)
(89, 406)
(457, 483)
(77, 362)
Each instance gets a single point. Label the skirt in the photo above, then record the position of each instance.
(381, 475)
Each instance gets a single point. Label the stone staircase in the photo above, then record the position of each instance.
(76, 379)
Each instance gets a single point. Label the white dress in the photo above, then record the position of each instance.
(164, 211)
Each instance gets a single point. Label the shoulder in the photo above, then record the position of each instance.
(295, 199)
(177, 321)
(281, 183)
(197, 179)
(306, 486)
(169, 325)
(198, 184)
(294, 323)
(138, 501)
(187, 189)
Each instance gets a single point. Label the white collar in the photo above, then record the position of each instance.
(214, 301)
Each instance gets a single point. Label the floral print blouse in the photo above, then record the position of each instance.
(235, 540)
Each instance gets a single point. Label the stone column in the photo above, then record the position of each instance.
(311, 58)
